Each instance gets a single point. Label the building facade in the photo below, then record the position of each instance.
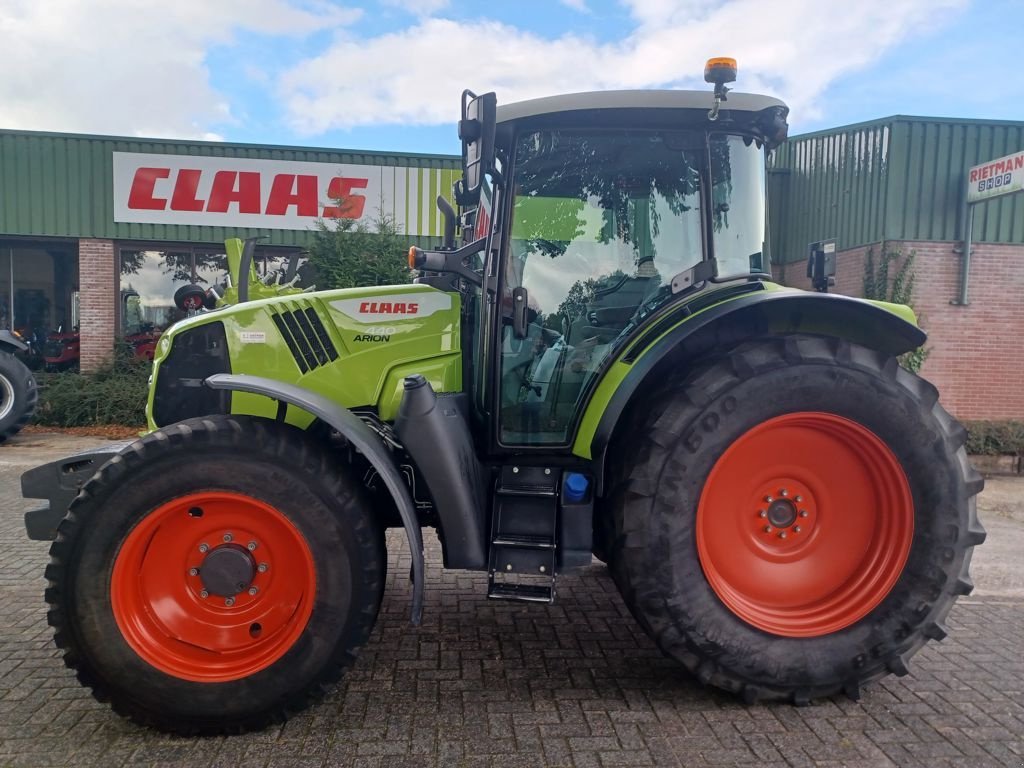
(88, 221)
(900, 185)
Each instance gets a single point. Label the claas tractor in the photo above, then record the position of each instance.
(595, 363)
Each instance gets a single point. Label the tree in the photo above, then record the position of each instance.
(347, 253)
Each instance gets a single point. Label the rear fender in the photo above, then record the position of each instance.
(675, 342)
(362, 438)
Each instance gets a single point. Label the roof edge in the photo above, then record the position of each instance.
(231, 144)
(632, 99)
(880, 121)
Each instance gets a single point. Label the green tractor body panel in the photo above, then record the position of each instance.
(374, 338)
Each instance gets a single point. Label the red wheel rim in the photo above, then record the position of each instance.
(161, 586)
(805, 524)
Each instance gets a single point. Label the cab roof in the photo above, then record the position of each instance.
(574, 102)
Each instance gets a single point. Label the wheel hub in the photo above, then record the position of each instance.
(227, 570)
(782, 513)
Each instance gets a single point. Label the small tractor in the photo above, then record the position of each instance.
(600, 365)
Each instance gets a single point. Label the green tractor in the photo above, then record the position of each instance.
(600, 366)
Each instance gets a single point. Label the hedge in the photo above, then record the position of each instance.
(115, 394)
(995, 438)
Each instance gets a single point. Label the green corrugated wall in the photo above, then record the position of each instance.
(901, 178)
(61, 185)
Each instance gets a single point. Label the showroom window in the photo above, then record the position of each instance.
(38, 288)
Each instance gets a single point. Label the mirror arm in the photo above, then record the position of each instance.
(448, 261)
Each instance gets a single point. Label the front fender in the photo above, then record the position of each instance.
(11, 343)
(362, 438)
(761, 310)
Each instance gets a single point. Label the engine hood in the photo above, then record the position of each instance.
(353, 345)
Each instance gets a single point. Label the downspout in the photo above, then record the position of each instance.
(967, 228)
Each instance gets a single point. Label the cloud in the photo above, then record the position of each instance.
(142, 67)
(134, 67)
(790, 48)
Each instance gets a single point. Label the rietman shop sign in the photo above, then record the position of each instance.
(996, 177)
(272, 194)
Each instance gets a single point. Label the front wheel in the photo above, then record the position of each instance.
(795, 519)
(19, 395)
(216, 576)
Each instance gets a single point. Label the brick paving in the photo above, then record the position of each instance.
(498, 684)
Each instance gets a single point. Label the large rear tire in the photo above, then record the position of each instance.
(794, 519)
(219, 574)
(19, 395)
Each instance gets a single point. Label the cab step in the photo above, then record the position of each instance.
(523, 554)
(532, 593)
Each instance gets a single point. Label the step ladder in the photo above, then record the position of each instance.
(524, 548)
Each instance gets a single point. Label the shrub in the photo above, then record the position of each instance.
(900, 290)
(115, 394)
(995, 438)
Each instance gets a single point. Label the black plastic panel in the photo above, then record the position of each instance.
(196, 354)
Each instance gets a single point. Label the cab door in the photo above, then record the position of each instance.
(599, 223)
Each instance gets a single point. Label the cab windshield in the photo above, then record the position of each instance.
(601, 223)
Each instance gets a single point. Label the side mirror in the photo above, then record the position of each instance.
(821, 264)
(476, 130)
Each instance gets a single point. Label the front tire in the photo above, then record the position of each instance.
(19, 395)
(773, 598)
(216, 576)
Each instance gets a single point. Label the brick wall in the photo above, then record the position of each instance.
(98, 301)
(976, 354)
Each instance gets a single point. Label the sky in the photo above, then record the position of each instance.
(387, 74)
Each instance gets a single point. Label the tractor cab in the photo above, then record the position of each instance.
(588, 215)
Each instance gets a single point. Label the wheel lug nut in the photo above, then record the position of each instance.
(803, 513)
(262, 568)
(229, 601)
(204, 593)
(769, 499)
(251, 545)
(798, 499)
(203, 547)
(767, 529)
(796, 529)
(253, 590)
(763, 513)
(227, 537)
(193, 571)
(783, 492)
(782, 535)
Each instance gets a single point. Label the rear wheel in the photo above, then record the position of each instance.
(795, 519)
(219, 574)
(18, 395)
